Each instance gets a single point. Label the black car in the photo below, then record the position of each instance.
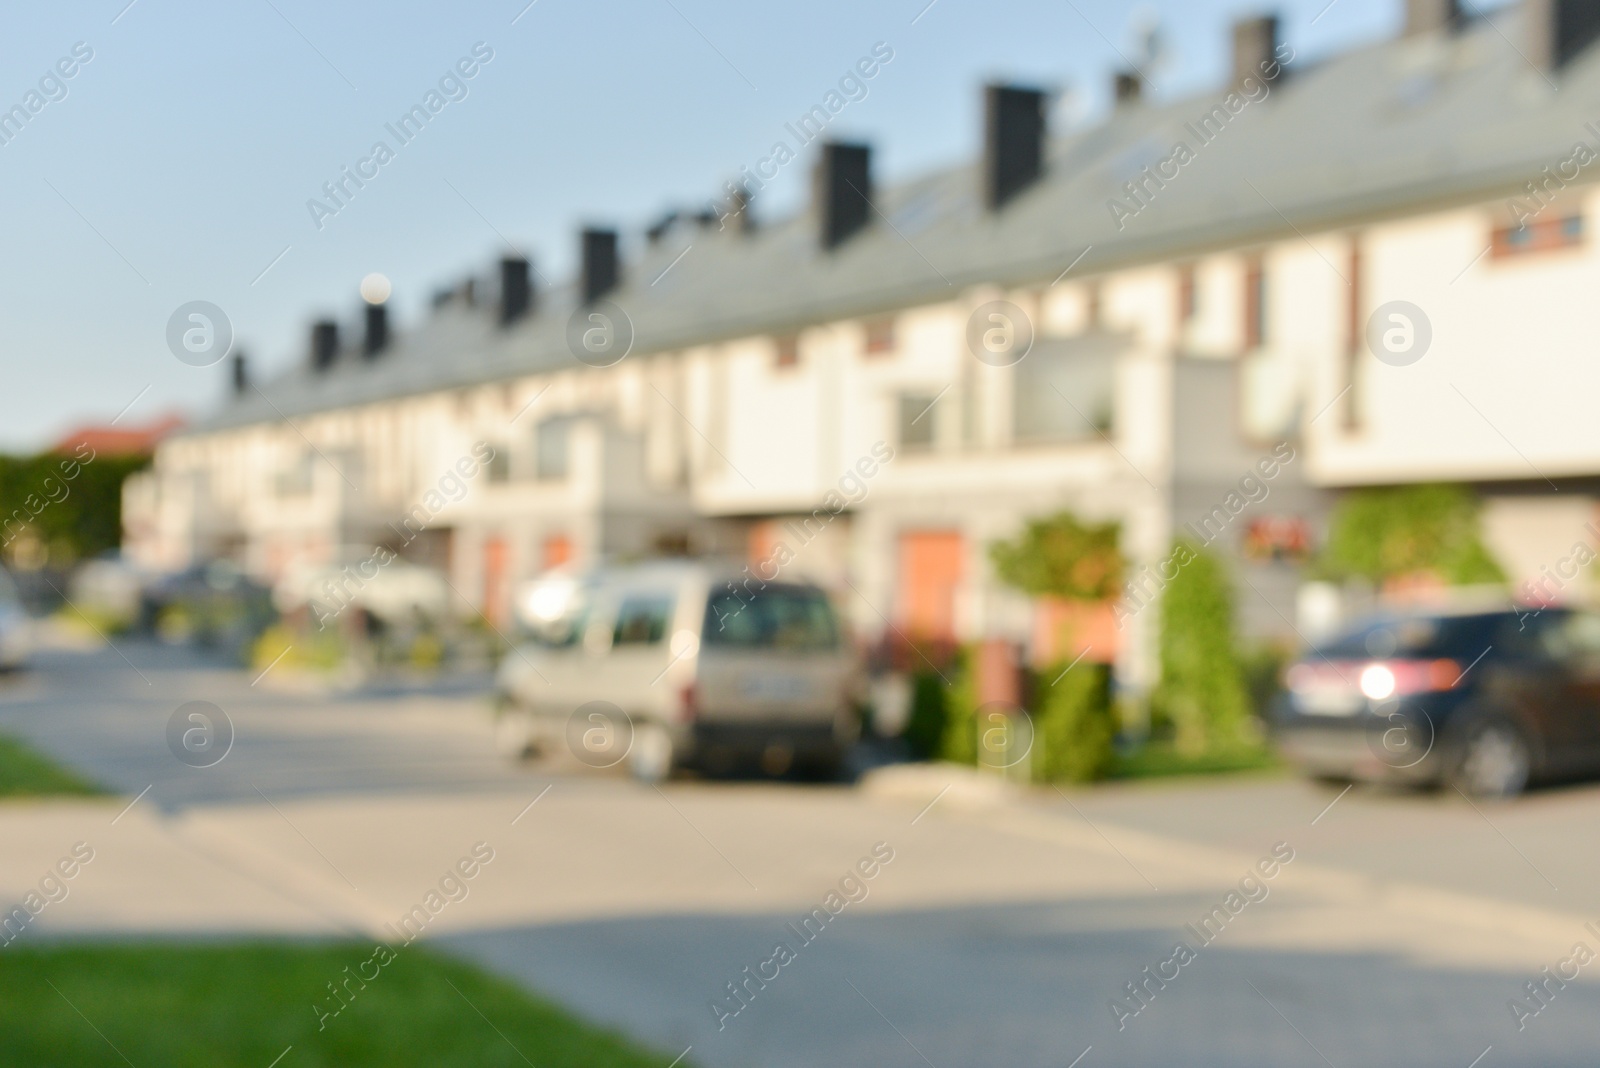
(1484, 701)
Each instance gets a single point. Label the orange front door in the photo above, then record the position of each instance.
(557, 551)
(930, 575)
(495, 572)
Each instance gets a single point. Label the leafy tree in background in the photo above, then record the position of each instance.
(77, 516)
(1390, 532)
(1203, 691)
(1061, 556)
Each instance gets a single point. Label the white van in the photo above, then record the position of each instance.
(673, 663)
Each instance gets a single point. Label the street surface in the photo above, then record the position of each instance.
(998, 934)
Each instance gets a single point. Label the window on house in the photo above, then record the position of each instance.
(786, 351)
(297, 479)
(916, 419)
(642, 619)
(1255, 304)
(880, 335)
(1187, 297)
(550, 448)
(1538, 235)
(499, 465)
(1063, 391)
(1354, 334)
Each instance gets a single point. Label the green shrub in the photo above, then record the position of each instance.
(312, 651)
(959, 742)
(1263, 665)
(1074, 726)
(925, 726)
(1202, 690)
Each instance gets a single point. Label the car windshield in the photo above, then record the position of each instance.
(777, 617)
(1413, 636)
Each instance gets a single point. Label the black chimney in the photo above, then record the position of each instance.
(740, 218)
(241, 374)
(324, 344)
(841, 189)
(1427, 16)
(516, 294)
(659, 228)
(599, 264)
(1013, 141)
(1255, 43)
(1126, 87)
(1559, 29)
(377, 334)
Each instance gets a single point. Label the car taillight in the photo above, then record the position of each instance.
(1397, 678)
(1375, 679)
(688, 703)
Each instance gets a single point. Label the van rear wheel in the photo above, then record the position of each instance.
(514, 734)
(650, 758)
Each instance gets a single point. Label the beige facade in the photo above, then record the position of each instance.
(1173, 353)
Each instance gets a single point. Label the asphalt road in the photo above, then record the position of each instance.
(1000, 933)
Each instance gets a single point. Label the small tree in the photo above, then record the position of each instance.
(1061, 556)
(1391, 532)
(1202, 690)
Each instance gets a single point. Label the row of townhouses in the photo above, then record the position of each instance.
(1203, 317)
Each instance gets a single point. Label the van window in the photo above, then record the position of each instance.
(778, 617)
(642, 619)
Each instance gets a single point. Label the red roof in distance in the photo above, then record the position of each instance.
(108, 440)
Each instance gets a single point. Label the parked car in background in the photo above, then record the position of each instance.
(680, 663)
(16, 629)
(389, 590)
(211, 604)
(109, 588)
(1486, 702)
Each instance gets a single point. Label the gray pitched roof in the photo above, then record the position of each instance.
(1394, 127)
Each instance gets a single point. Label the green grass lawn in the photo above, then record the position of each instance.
(25, 773)
(240, 1006)
(1158, 759)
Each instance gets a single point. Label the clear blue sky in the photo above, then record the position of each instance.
(186, 148)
